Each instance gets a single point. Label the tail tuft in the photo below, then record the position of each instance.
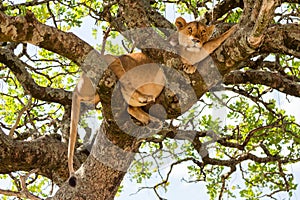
(72, 181)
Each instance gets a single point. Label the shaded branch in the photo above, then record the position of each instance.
(19, 194)
(224, 178)
(271, 79)
(100, 175)
(158, 20)
(20, 5)
(283, 39)
(25, 108)
(166, 180)
(225, 141)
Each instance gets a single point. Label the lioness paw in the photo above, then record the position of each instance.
(189, 69)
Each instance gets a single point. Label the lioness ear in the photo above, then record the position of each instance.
(210, 30)
(180, 23)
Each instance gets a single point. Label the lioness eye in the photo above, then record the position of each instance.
(190, 29)
(203, 32)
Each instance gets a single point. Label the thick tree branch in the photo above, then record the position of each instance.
(263, 19)
(96, 177)
(290, 1)
(271, 79)
(28, 29)
(20, 5)
(18, 67)
(283, 39)
(47, 154)
(104, 169)
(228, 141)
(158, 20)
(19, 194)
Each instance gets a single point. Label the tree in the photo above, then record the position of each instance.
(41, 61)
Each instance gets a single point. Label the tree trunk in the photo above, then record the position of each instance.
(101, 174)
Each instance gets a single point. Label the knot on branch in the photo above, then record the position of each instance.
(246, 45)
(255, 42)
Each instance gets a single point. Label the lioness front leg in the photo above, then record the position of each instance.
(191, 58)
(214, 43)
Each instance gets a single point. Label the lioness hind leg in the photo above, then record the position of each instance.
(141, 115)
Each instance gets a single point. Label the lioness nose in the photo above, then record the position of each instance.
(195, 40)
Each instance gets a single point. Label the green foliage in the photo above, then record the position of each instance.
(37, 185)
(120, 189)
(251, 122)
(40, 186)
(113, 48)
(160, 6)
(234, 16)
(48, 70)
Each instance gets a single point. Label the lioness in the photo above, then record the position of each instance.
(193, 40)
(142, 80)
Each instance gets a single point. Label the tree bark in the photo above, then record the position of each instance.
(102, 173)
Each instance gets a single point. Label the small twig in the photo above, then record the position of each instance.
(106, 35)
(283, 175)
(24, 188)
(224, 177)
(24, 193)
(52, 15)
(15, 180)
(165, 181)
(127, 48)
(31, 120)
(26, 107)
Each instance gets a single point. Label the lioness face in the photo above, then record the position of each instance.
(194, 34)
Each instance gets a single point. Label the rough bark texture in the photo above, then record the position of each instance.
(108, 163)
(35, 154)
(29, 29)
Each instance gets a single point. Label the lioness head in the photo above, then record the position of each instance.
(194, 34)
